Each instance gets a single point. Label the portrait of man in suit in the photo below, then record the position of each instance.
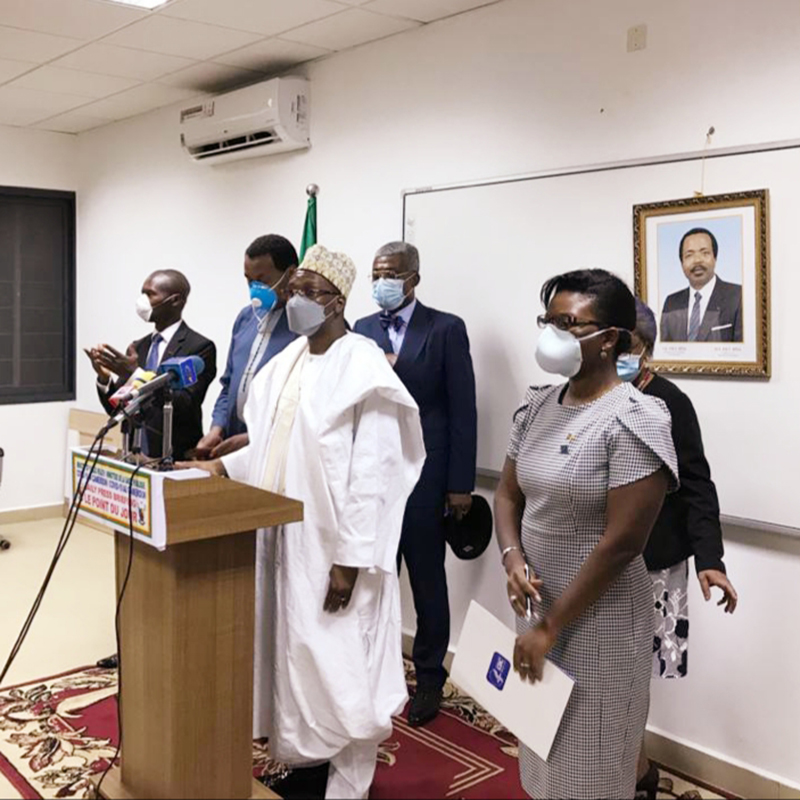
(709, 309)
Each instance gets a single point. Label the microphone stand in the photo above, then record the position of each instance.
(167, 461)
(4, 543)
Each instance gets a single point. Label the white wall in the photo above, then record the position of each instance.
(520, 86)
(32, 433)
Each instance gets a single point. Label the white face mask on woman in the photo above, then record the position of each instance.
(559, 352)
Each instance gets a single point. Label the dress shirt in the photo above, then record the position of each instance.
(397, 337)
(166, 338)
(265, 327)
(705, 296)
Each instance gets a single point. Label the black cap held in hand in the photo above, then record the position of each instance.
(470, 536)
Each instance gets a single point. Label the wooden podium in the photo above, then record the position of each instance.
(186, 630)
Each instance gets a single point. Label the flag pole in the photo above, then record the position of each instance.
(310, 227)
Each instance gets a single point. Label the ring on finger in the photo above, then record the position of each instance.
(513, 598)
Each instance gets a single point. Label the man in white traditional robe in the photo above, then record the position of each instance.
(331, 425)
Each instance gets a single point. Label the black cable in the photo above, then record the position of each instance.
(63, 540)
(122, 590)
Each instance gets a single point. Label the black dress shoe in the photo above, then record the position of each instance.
(424, 706)
(648, 784)
(112, 662)
(303, 783)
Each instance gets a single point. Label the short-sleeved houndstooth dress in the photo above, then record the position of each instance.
(567, 458)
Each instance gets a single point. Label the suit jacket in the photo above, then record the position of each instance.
(688, 524)
(187, 427)
(722, 321)
(435, 365)
(244, 333)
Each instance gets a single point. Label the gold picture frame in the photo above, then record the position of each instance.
(702, 265)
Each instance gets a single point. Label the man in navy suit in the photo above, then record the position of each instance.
(259, 333)
(429, 350)
(709, 309)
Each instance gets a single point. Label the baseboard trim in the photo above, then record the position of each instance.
(714, 771)
(35, 514)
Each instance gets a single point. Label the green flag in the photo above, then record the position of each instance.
(310, 228)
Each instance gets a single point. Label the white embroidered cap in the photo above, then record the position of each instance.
(338, 268)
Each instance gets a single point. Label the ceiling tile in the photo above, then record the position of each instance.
(425, 10)
(138, 100)
(72, 122)
(24, 106)
(30, 46)
(123, 62)
(348, 29)
(10, 69)
(266, 17)
(271, 55)
(210, 77)
(82, 19)
(180, 37)
(72, 81)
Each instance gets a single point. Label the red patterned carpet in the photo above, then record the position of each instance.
(56, 733)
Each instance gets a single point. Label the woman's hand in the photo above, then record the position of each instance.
(519, 587)
(530, 650)
(714, 577)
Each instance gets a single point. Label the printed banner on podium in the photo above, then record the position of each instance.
(107, 494)
(106, 498)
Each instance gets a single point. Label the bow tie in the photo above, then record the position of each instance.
(388, 320)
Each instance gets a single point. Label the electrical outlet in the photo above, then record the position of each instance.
(637, 38)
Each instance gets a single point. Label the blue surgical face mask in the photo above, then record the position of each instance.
(388, 293)
(629, 365)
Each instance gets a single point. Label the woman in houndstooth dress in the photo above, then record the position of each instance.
(587, 468)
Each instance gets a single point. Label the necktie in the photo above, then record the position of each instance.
(151, 365)
(388, 320)
(694, 319)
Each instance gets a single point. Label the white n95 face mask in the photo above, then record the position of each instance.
(304, 316)
(559, 352)
(143, 307)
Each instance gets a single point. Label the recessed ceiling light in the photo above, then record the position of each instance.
(149, 4)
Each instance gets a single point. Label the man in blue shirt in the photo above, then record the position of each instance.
(259, 333)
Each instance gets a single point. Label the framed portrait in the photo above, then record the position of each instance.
(702, 265)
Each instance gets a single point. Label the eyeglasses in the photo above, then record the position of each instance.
(311, 294)
(374, 276)
(565, 321)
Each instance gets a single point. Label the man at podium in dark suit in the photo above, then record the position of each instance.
(162, 301)
(429, 350)
(710, 309)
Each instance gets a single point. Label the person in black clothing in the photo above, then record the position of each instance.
(688, 524)
(163, 298)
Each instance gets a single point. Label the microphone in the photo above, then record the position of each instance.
(135, 382)
(178, 373)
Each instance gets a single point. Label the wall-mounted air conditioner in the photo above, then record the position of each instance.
(269, 117)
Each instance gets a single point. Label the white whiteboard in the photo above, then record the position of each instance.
(485, 251)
